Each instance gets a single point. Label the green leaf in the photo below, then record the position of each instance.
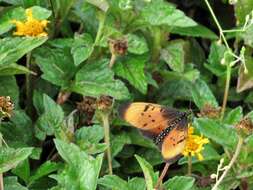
(174, 55)
(11, 183)
(81, 170)
(194, 31)
(217, 51)
(137, 44)
(56, 64)
(137, 184)
(13, 69)
(43, 170)
(242, 8)
(10, 157)
(132, 69)
(23, 170)
(118, 142)
(82, 48)
(12, 49)
(93, 134)
(247, 36)
(148, 172)
(234, 116)
(163, 13)
(8, 15)
(96, 79)
(21, 130)
(222, 134)
(40, 13)
(113, 182)
(88, 139)
(202, 94)
(179, 183)
(9, 87)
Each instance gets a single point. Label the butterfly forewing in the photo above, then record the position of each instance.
(148, 117)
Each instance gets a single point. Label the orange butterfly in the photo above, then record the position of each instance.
(166, 126)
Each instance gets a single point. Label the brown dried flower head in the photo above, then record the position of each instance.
(118, 46)
(6, 106)
(245, 126)
(104, 103)
(210, 111)
(88, 105)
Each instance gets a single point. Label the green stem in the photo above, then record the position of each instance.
(218, 25)
(225, 97)
(228, 76)
(229, 166)
(28, 84)
(156, 46)
(189, 173)
(106, 126)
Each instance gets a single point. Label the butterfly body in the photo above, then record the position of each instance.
(166, 126)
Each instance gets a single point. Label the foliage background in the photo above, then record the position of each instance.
(173, 58)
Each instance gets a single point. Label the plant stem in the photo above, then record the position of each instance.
(112, 61)
(225, 96)
(232, 161)
(165, 169)
(106, 126)
(1, 175)
(28, 84)
(189, 165)
(156, 44)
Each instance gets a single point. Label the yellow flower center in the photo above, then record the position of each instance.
(31, 27)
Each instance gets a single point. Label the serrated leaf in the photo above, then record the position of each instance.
(43, 170)
(82, 48)
(163, 13)
(10, 157)
(148, 172)
(93, 134)
(113, 182)
(12, 49)
(56, 64)
(180, 183)
(40, 13)
(81, 170)
(118, 142)
(222, 134)
(202, 94)
(132, 69)
(97, 79)
(174, 55)
(136, 44)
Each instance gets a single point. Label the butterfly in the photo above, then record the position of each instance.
(166, 126)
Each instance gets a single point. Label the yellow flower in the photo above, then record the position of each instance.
(194, 144)
(31, 27)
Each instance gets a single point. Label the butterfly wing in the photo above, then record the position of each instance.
(152, 118)
(174, 142)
